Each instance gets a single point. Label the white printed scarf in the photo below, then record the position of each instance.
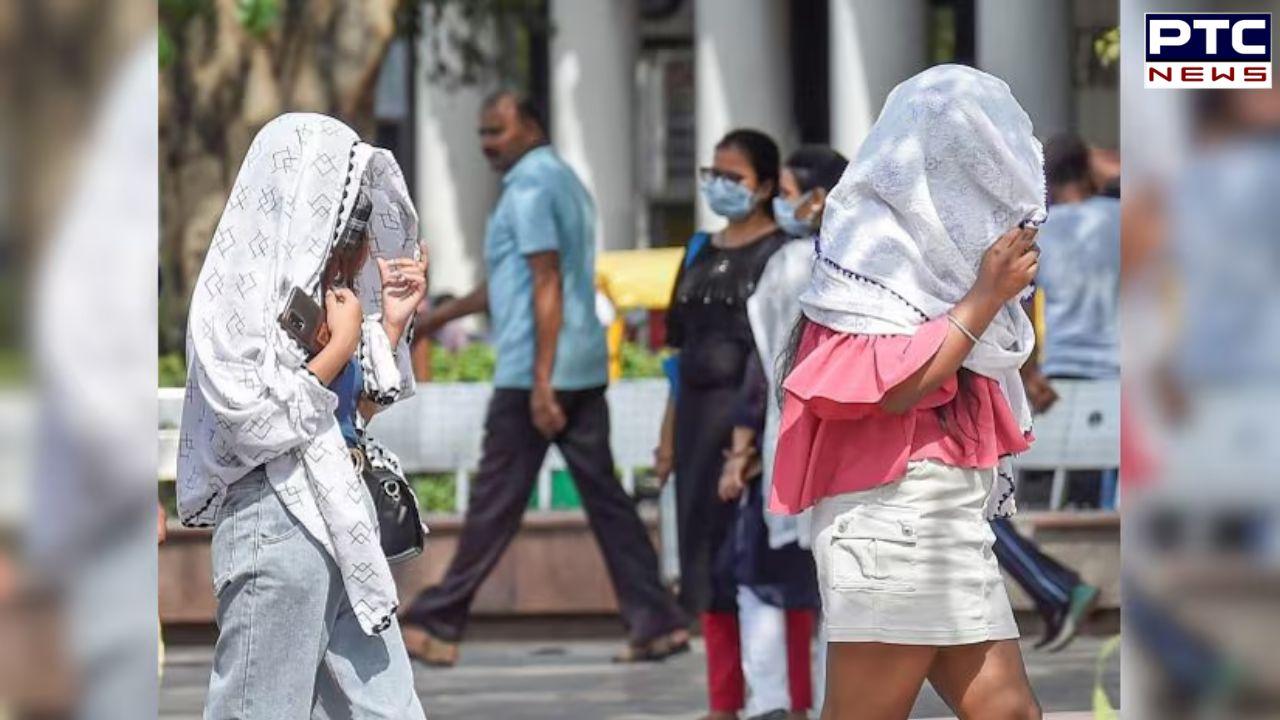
(950, 165)
(250, 401)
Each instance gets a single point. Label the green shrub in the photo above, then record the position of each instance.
(435, 491)
(639, 361)
(172, 370)
(473, 363)
(14, 368)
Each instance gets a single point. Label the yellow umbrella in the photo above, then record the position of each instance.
(634, 279)
(639, 278)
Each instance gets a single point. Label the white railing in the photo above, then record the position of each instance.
(440, 428)
(1080, 432)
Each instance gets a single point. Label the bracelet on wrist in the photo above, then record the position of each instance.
(961, 327)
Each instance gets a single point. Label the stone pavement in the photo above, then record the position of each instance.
(574, 680)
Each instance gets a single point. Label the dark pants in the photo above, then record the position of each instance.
(512, 456)
(1046, 580)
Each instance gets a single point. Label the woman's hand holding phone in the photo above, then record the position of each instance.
(342, 326)
(343, 317)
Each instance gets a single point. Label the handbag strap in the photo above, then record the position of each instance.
(696, 243)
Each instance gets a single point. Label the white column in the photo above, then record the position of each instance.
(455, 188)
(743, 77)
(873, 46)
(1027, 43)
(593, 65)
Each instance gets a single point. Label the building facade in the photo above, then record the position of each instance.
(637, 92)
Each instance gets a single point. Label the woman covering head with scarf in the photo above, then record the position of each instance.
(306, 602)
(904, 399)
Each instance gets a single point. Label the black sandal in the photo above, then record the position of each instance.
(655, 650)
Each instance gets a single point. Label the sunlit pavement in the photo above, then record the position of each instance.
(574, 680)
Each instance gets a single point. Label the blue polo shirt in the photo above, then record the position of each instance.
(544, 207)
(1080, 276)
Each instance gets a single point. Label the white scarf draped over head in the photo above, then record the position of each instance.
(250, 400)
(950, 165)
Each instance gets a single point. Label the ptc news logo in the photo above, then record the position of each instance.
(1208, 50)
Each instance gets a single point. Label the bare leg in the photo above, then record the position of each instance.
(874, 681)
(986, 681)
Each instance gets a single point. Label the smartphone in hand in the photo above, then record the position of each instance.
(302, 319)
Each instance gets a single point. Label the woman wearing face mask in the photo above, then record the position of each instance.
(770, 618)
(272, 424)
(806, 179)
(904, 400)
(713, 390)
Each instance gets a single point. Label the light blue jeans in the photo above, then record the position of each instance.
(289, 645)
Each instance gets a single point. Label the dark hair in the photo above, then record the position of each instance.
(762, 153)
(527, 108)
(348, 247)
(786, 360)
(817, 166)
(344, 265)
(1066, 160)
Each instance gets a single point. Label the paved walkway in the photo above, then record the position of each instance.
(574, 680)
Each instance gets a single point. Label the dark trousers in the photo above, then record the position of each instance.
(513, 452)
(1046, 580)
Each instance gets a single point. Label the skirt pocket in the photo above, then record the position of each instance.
(873, 549)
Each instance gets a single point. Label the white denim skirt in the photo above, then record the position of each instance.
(910, 562)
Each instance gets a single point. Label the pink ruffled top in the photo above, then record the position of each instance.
(834, 437)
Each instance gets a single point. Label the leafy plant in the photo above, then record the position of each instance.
(14, 368)
(473, 363)
(639, 361)
(1106, 47)
(257, 16)
(174, 15)
(436, 492)
(172, 370)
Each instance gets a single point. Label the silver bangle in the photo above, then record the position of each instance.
(960, 326)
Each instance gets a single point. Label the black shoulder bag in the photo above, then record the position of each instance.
(396, 509)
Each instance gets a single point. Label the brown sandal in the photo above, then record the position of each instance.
(655, 650)
(427, 648)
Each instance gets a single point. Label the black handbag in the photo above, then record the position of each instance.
(396, 508)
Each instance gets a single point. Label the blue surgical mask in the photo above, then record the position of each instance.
(728, 199)
(784, 213)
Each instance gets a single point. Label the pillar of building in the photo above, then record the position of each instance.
(872, 46)
(743, 77)
(593, 66)
(1028, 45)
(455, 187)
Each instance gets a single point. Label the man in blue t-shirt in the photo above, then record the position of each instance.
(549, 383)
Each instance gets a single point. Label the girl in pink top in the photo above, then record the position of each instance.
(903, 399)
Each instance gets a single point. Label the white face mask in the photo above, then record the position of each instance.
(784, 213)
(728, 199)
